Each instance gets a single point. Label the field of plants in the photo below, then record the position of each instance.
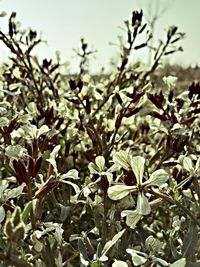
(98, 170)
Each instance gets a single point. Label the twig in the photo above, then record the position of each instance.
(177, 203)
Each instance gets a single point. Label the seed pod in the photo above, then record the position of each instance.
(31, 166)
(18, 233)
(72, 84)
(8, 228)
(16, 216)
(118, 121)
(38, 164)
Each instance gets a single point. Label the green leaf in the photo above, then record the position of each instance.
(110, 244)
(83, 253)
(122, 158)
(53, 156)
(4, 121)
(190, 241)
(100, 162)
(197, 166)
(160, 262)
(42, 130)
(2, 214)
(55, 151)
(143, 206)
(71, 174)
(15, 192)
(137, 165)
(157, 178)
(170, 81)
(138, 258)
(38, 246)
(175, 253)
(26, 211)
(117, 192)
(15, 151)
(53, 163)
(153, 244)
(2, 190)
(132, 217)
(65, 211)
(179, 263)
(76, 188)
(92, 167)
(187, 164)
(99, 250)
(119, 264)
(95, 264)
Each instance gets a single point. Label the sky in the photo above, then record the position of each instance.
(62, 23)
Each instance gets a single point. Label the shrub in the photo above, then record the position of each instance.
(97, 170)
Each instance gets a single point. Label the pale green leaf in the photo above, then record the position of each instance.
(197, 166)
(138, 258)
(26, 211)
(187, 164)
(83, 253)
(137, 165)
(42, 130)
(76, 188)
(143, 206)
(15, 192)
(161, 262)
(4, 121)
(122, 158)
(111, 243)
(119, 264)
(2, 214)
(170, 81)
(2, 190)
(100, 162)
(147, 88)
(15, 151)
(17, 73)
(14, 86)
(73, 174)
(64, 211)
(30, 130)
(157, 178)
(38, 246)
(132, 217)
(109, 177)
(55, 151)
(92, 168)
(153, 244)
(179, 263)
(117, 192)
(190, 241)
(103, 258)
(53, 163)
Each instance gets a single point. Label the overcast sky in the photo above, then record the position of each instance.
(63, 22)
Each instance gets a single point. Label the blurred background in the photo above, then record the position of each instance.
(63, 23)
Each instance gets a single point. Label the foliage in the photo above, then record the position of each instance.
(97, 171)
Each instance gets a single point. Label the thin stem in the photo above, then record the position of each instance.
(32, 214)
(73, 257)
(92, 126)
(104, 224)
(177, 203)
(14, 260)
